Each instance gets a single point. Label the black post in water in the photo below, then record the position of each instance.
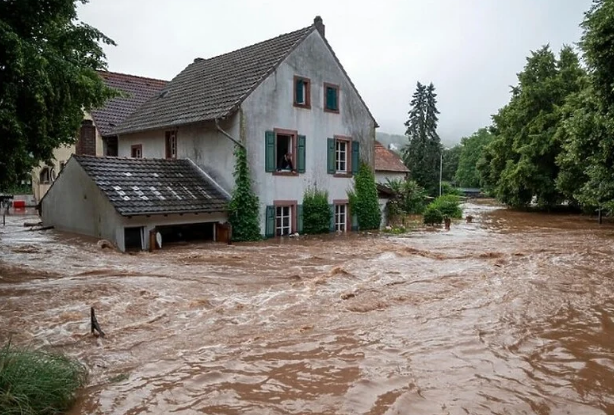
(95, 325)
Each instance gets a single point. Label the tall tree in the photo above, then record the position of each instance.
(422, 154)
(521, 162)
(471, 149)
(48, 63)
(587, 161)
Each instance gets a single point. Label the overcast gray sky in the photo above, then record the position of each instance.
(470, 49)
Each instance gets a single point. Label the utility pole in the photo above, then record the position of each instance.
(440, 170)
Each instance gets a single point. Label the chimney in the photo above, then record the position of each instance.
(317, 22)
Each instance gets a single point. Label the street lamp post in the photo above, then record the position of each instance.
(440, 170)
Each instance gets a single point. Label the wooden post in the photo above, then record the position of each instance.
(94, 322)
(152, 240)
(229, 227)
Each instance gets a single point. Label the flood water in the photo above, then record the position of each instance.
(510, 314)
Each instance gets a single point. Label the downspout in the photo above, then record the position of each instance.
(217, 126)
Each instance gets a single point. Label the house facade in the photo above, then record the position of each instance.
(288, 101)
(95, 137)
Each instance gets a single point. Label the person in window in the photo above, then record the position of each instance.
(286, 163)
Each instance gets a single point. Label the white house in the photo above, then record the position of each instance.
(286, 95)
(388, 165)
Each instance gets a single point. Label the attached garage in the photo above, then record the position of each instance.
(134, 202)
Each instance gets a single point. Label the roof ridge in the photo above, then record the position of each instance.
(131, 76)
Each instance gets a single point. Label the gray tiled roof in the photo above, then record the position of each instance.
(138, 90)
(213, 88)
(153, 186)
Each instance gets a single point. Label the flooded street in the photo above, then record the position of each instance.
(510, 314)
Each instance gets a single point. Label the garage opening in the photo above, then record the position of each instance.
(133, 238)
(193, 232)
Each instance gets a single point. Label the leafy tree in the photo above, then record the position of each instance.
(422, 153)
(243, 206)
(472, 147)
(409, 197)
(520, 163)
(451, 157)
(587, 161)
(316, 212)
(363, 199)
(48, 63)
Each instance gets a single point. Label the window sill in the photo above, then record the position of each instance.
(285, 173)
(331, 111)
(345, 175)
(304, 106)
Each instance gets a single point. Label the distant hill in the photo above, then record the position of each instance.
(399, 141)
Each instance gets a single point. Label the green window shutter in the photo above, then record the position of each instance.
(299, 91)
(331, 98)
(300, 162)
(355, 156)
(269, 153)
(354, 222)
(270, 222)
(331, 156)
(299, 216)
(332, 217)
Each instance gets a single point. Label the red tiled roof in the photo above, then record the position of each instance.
(386, 160)
(138, 89)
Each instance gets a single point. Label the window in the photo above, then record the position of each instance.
(331, 98)
(341, 216)
(302, 92)
(136, 151)
(341, 156)
(46, 175)
(171, 144)
(111, 146)
(284, 152)
(283, 220)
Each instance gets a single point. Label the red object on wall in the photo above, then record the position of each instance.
(19, 204)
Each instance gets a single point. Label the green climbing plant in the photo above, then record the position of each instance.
(243, 206)
(316, 212)
(363, 199)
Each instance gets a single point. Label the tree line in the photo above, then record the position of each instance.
(552, 143)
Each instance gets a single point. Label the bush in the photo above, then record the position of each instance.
(448, 205)
(448, 189)
(432, 215)
(35, 382)
(409, 196)
(316, 212)
(243, 206)
(363, 199)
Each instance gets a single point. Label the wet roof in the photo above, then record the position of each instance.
(154, 186)
(387, 160)
(137, 90)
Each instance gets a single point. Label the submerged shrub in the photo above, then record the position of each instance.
(448, 205)
(316, 212)
(432, 216)
(36, 382)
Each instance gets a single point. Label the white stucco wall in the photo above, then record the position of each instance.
(202, 143)
(270, 106)
(75, 204)
(382, 176)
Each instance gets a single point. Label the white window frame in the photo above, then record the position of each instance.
(281, 213)
(341, 156)
(171, 143)
(341, 218)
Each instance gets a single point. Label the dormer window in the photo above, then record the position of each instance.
(302, 92)
(331, 98)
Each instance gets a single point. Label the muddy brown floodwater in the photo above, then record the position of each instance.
(509, 314)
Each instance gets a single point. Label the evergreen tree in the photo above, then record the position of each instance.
(422, 154)
(243, 206)
(48, 64)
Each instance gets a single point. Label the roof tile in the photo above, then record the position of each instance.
(386, 160)
(153, 186)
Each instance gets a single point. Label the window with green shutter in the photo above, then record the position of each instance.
(299, 217)
(332, 217)
(269, 148)
(331, 98)
(301, 156)
(355, 156)
(270, 222)
(302, 92)
(330, 158)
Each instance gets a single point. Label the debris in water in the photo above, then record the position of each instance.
(103, 243)
(95, 325)
(346, 296)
